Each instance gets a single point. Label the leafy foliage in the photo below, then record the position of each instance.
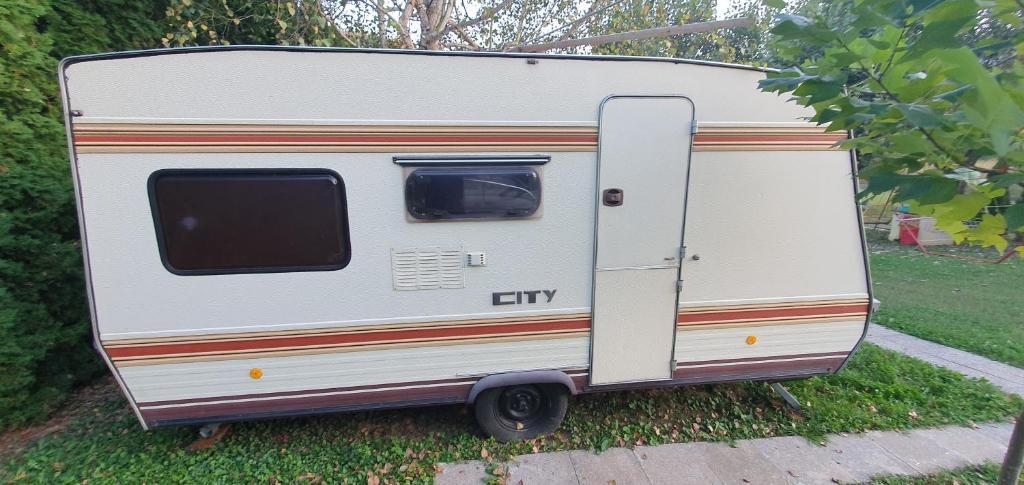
(928, 92)
(44, 327)
(879, 390)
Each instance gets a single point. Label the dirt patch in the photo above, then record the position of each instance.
(13, 441)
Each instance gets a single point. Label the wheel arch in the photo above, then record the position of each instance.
(526, 377)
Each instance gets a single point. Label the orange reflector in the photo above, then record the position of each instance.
(751, 340)
(255, 372)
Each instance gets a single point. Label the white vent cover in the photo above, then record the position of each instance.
(428, 268)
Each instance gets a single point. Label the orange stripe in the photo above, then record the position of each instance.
(305, 139)
(346, 339)
(692, 318)
(360, 337)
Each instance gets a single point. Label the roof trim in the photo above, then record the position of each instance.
(410, 52)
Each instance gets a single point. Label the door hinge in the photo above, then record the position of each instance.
(679, 285)
(693, 128)
(682, 253)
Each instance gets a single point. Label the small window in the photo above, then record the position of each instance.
(250, 221)
(472, 193)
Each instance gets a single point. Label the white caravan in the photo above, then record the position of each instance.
(287, 231)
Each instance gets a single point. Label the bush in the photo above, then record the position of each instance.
(44, 323)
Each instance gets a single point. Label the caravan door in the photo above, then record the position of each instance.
(643, 165)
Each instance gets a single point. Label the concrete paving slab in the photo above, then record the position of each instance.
(804, 462)
(864, 458)
(999, 432)
(745, 465)
(968, 443)
(468, 473)
(921, 453)
(543, 469)
(679, 464)
(618, 466)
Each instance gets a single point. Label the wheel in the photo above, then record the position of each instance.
(521, 412)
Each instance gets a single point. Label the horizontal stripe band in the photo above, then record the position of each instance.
(747, 314)
(350, 338)
(449, 391)
(378, 337)
(128, 138)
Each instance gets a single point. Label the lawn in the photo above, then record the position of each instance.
(972, 306)
(986, 474)
(102, 442)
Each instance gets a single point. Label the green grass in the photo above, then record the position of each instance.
(973, 475)
(972, 306)
(879, 390)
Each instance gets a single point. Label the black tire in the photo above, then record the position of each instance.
(522, 411)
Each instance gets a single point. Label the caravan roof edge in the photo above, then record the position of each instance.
(198, 49)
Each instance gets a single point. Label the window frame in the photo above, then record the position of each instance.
(161, 236)
(410, 164)
(412, 216)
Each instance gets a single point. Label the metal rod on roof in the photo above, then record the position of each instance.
(694, 28)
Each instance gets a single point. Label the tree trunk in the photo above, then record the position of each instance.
(1014, 461)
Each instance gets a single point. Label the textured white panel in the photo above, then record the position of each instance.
(634, 318)
(771, 226)
(730, 343)
(137, 297)
(427, 268)
(344, 369)
(234, 85)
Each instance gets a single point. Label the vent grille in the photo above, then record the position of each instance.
(428, 268)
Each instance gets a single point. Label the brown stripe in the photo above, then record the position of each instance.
(788, 304)
(694, 318)
(763, 358)
(339, 330)
(757, 370)
(454, 380)
(308, 404)
(344, 339)
(147, 138)
(463, 380)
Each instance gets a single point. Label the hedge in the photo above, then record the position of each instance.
(44, 325)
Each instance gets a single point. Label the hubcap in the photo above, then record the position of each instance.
(521, 403)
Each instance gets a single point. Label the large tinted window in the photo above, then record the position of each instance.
(472, 192)
(250, 221)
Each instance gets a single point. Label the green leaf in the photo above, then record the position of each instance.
(779, 4)
(910, 143)
(1015, 217)
(920, 116)
(1007, 180)
(991, 106)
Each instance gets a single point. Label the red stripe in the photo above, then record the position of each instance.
(295, 138)
(330, 139)
(763, 358)
(393, 336)
(765, 313)
(711, 139)
(309, 404)
(759, 370)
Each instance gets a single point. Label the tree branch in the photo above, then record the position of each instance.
(461, 32)
(638, 35)
(402, 31)
(485, 16)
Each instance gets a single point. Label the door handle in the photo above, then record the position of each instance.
(612, 197)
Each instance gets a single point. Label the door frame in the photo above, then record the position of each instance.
(682, 236)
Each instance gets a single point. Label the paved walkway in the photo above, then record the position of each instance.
(1009, 378)
(785, 460)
